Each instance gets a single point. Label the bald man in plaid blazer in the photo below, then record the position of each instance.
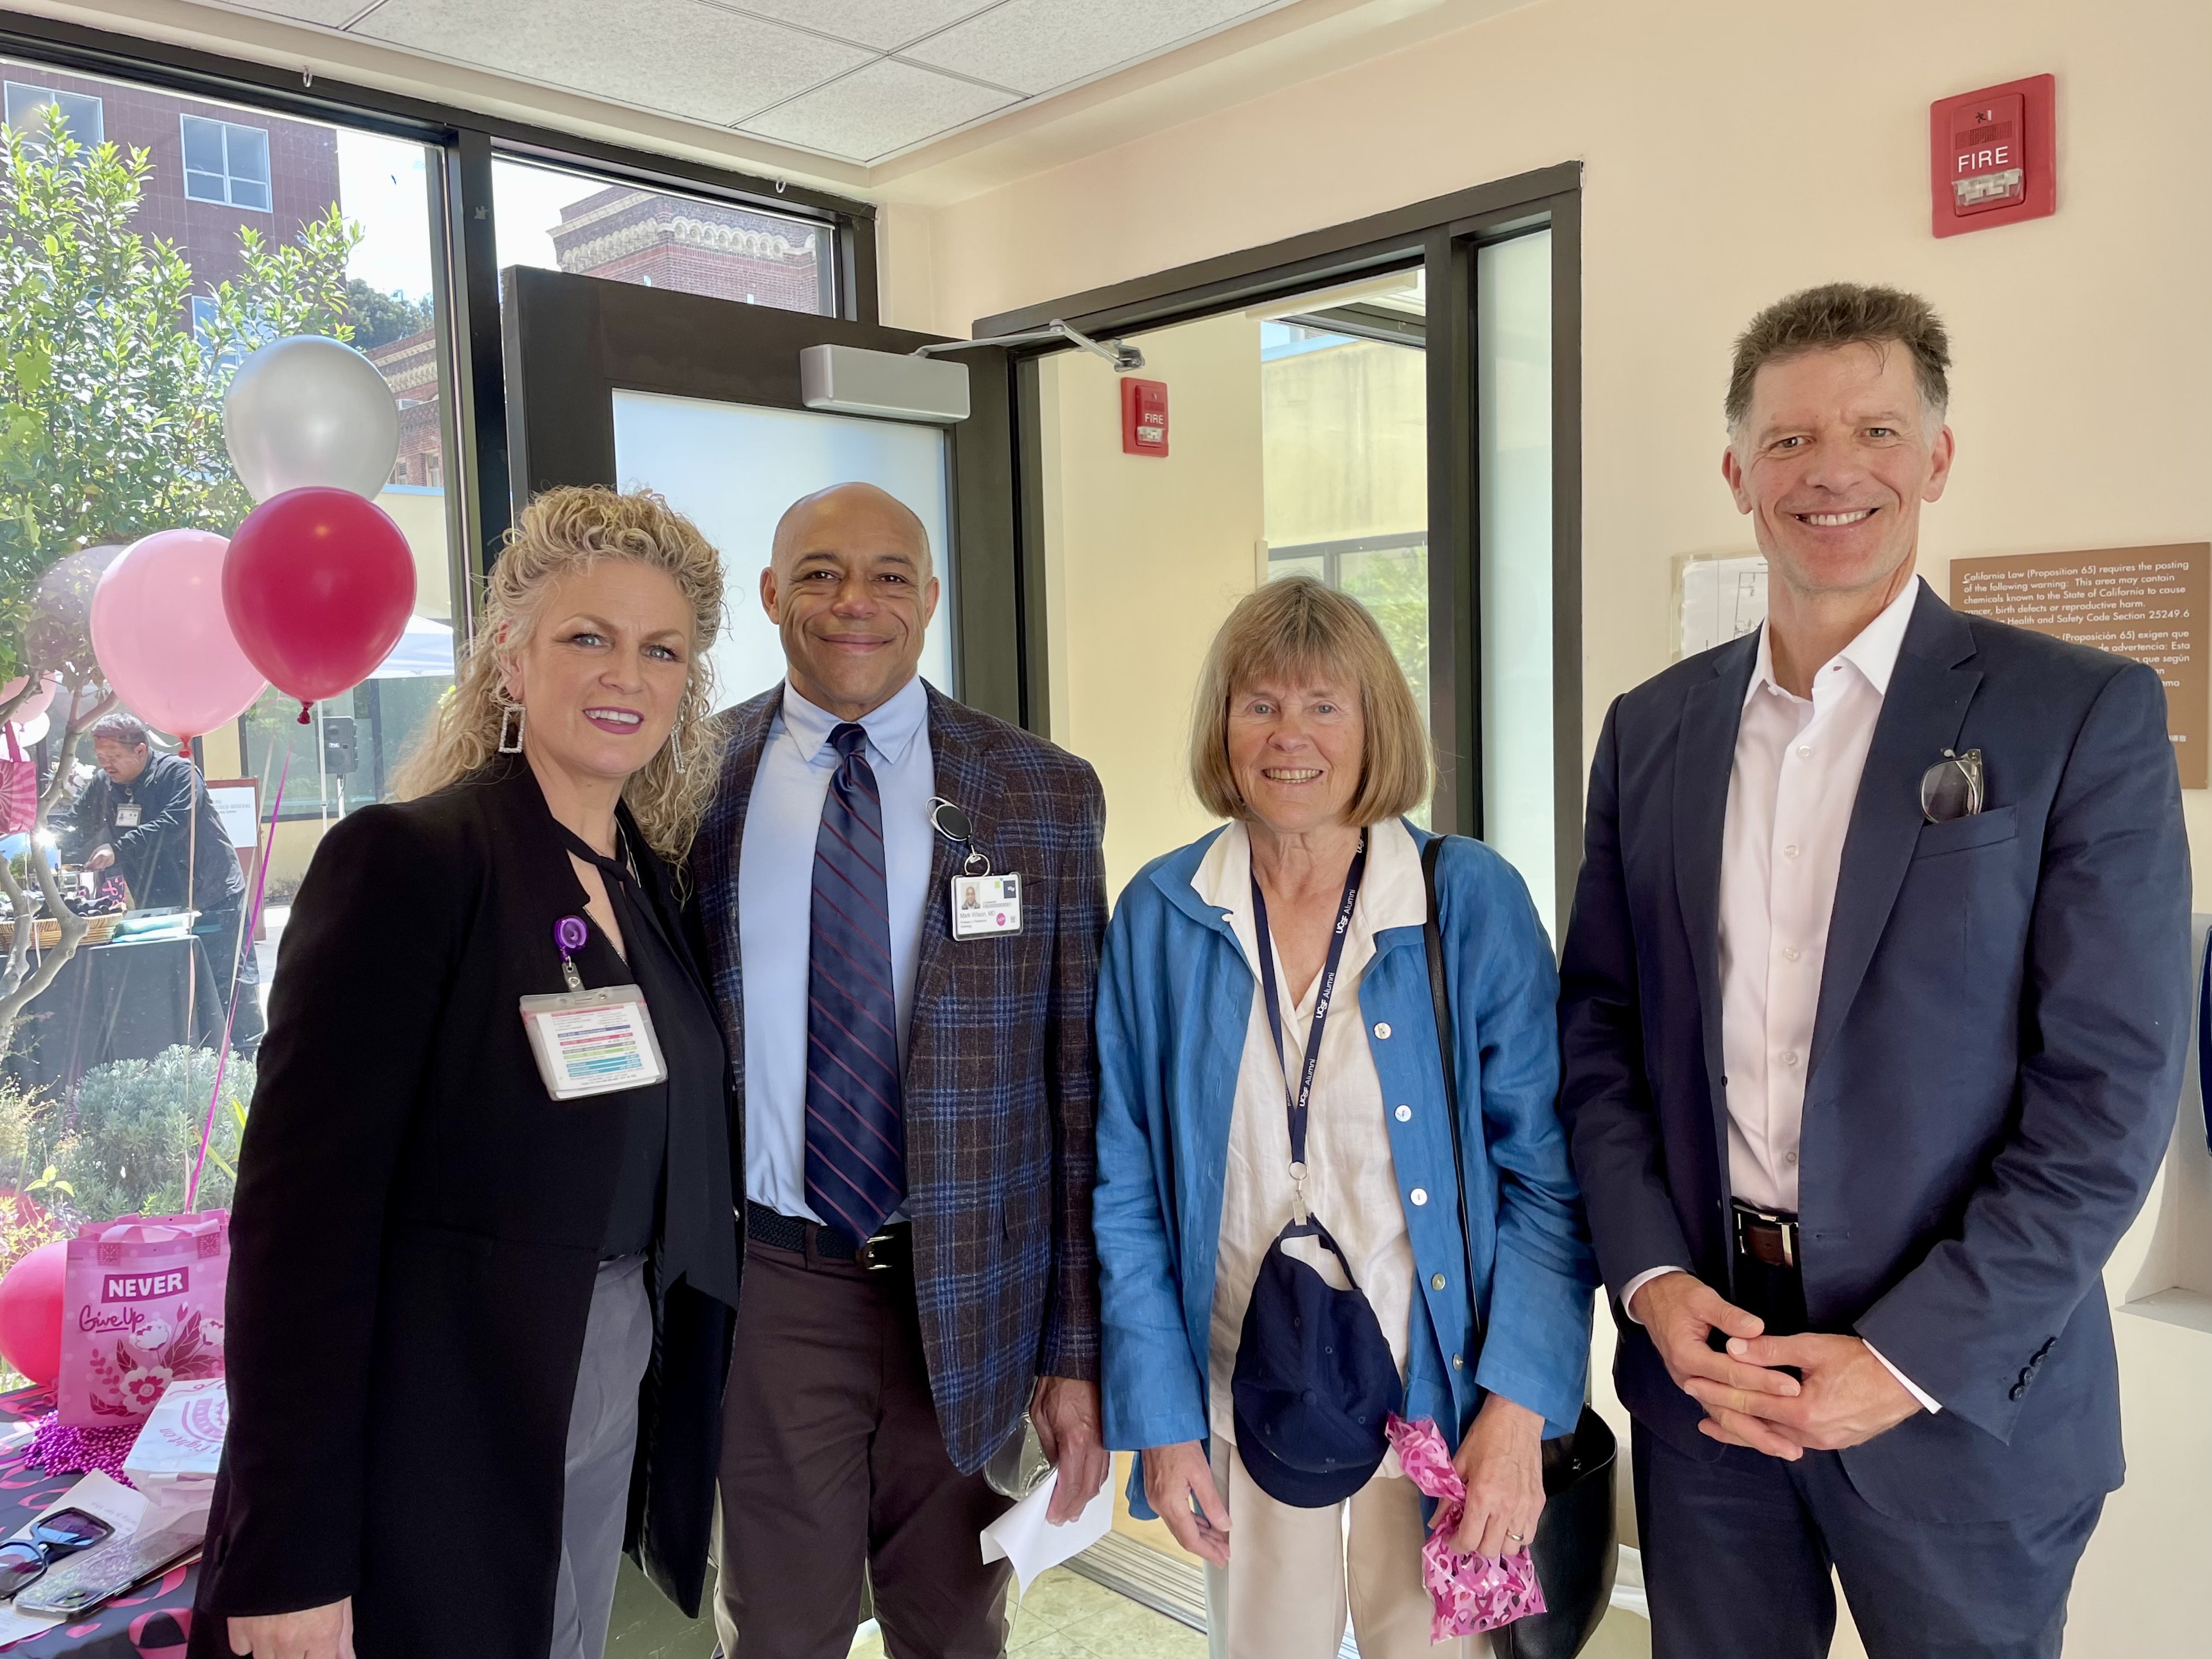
(874, 1379)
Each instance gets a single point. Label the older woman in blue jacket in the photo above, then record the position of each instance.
(1307, 738)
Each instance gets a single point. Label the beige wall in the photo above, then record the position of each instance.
(1732, 153)
(1144, 555)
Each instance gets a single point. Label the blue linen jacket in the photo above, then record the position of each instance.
(1175, 1000)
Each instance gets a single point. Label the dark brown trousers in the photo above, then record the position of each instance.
(833, 1463)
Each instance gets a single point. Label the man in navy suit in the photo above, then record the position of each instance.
(1872, 1007)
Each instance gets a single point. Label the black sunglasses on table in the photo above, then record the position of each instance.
(53, 1538)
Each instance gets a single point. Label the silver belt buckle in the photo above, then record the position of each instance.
(1784, 1225)
(866, 1256)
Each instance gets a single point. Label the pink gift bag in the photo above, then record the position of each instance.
(142, 1307)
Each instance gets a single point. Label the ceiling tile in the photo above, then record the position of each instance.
(882, 23)
(1038, 45)
(331, 13)
(883, 107)
(677, 55)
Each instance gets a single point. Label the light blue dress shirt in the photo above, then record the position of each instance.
(775, 902)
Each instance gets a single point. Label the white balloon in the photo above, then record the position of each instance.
(309, 410)
(34, 729)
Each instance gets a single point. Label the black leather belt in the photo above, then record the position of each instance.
(890, 1250)
(1768, 1237)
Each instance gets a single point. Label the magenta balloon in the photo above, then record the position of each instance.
(162, 638)
(318, 584)
(31, 1309)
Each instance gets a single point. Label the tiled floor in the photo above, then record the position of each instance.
(1068, 1617)
(1063, 1617)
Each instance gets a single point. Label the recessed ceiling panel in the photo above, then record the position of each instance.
(884, 23)
(1038, 45)
(688, 59)
(885, 107)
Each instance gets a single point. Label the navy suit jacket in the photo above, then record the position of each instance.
(1995, 1063)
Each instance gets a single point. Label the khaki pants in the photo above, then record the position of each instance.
(1292, 1571)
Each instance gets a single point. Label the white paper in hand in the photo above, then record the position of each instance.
(1023, 1537)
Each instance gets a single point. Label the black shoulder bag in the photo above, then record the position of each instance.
(1575, 1549)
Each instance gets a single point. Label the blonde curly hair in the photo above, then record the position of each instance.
(562, 531)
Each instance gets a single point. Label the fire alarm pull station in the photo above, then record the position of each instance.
(1144, 418)
(1993, 155)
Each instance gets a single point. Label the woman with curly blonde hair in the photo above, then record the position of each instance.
(483, 1258)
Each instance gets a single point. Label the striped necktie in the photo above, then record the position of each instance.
(855, 1143)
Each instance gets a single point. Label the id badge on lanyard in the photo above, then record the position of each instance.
(127, 815)
(590, 1042)
(981, 904)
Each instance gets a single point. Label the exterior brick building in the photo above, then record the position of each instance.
(296, 174)
(632, 235)
(410, 368)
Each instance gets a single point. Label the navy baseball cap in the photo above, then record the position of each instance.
(1315, 1382)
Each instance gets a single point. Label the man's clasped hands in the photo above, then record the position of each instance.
(1843, 1394)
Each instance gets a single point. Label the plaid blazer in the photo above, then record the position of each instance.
(1001, 1080)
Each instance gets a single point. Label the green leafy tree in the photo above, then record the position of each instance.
(381, 318)
(111, 412)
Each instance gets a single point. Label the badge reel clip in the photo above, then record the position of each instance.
(590, 1042)
(983, 905)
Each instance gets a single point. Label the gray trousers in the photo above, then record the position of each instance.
(602, 1445)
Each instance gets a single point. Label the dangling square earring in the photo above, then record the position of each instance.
(512, 720)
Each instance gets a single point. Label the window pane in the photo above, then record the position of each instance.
(1513, 343)
(1393, 582)
(1343, 429)
(82, 115)
(249, 157)
(203, 145)
(29, 110)
(106, 1073)
(572, 222)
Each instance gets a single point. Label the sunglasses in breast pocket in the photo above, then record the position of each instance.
(1952, 788)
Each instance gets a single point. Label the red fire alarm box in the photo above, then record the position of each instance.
(1144, 418)
(1993, 155)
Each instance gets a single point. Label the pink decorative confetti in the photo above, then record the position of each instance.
(1471, 1593)
(62, 1448)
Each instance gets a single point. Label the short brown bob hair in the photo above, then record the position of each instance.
(1840, 314)
(1294, 625)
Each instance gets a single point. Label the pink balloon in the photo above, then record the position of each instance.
(318, 584)
(163, 640)
(32, 706)
(31, 1309)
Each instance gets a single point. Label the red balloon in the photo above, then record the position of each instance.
(318, 584)
(31, 1312)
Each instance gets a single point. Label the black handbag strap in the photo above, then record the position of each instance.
(1432, 935)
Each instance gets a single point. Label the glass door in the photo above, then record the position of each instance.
(700, 399)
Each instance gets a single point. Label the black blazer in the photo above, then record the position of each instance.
(1994, 1066)
(414, 1243)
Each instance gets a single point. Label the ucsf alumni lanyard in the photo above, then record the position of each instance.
(1299, 1100)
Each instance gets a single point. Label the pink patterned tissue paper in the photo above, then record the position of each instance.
(1471, 1593)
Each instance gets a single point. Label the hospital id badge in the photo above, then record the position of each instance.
(985, 905)
(594, 1042)
(127, 814)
